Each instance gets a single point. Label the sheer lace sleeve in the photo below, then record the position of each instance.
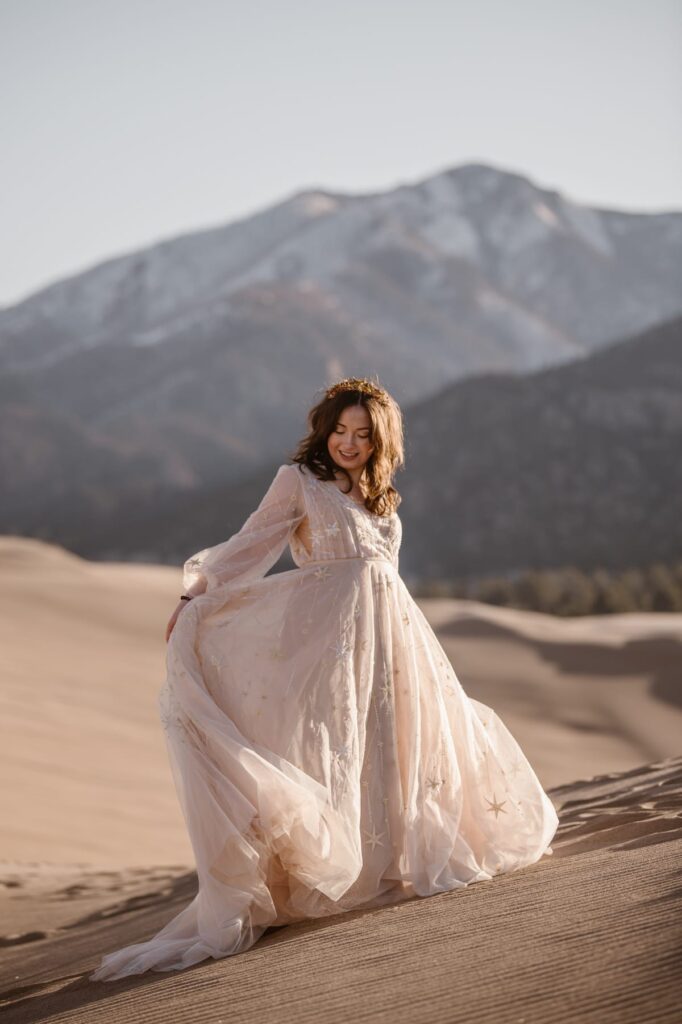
(248, 554)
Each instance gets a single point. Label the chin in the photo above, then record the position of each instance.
(357, 463)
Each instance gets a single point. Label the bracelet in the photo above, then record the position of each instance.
(184, 597)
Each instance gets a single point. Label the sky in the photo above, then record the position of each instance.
(125, 122)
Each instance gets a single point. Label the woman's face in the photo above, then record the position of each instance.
(349, 443)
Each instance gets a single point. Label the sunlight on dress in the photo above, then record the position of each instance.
(325, 755)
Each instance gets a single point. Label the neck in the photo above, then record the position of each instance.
(356, 475)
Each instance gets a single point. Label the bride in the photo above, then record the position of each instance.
(325, 755)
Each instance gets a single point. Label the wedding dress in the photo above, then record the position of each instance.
(325, 755)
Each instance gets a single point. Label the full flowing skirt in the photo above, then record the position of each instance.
(327, 758)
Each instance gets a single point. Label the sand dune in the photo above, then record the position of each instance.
(584, 696)
(590, 934)
(95, 855)
(84, 658)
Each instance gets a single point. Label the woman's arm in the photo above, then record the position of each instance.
(248, 554)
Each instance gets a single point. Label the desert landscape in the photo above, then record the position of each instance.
(435, 249)
(95, 854)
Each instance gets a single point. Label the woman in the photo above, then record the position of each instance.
(325, 755)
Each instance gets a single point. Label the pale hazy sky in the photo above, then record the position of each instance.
(127, 121)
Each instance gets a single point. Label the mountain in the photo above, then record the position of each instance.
(531, 275)
(198, 356)
(573, 465)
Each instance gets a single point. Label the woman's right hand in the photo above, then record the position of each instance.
(174, 618)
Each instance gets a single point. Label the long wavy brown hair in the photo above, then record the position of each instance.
(386, 436)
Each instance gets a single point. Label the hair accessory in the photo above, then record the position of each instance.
(367, 387)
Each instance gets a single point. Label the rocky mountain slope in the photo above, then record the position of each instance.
(574, 465)
(191, 359)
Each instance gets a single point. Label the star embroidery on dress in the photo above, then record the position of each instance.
(434, 784)
(386, 692)
(374, 838)
(323, 573)
(342, 647)
(515, 769)
(316, 535)
(340, 752)
(332, 530)
(194, 563)
(495, 807)
(216, 661)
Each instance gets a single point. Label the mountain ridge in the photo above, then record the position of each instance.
(474, 213)
(574, 465)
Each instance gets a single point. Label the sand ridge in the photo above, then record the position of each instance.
(591, 933)
(84, 659)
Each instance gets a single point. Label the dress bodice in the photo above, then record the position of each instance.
(337, 526)
(312, 516)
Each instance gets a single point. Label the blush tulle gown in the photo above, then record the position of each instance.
(325, 755)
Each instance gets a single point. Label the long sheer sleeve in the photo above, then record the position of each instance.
(255, 548)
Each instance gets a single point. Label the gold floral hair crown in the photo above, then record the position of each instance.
(358, 384)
